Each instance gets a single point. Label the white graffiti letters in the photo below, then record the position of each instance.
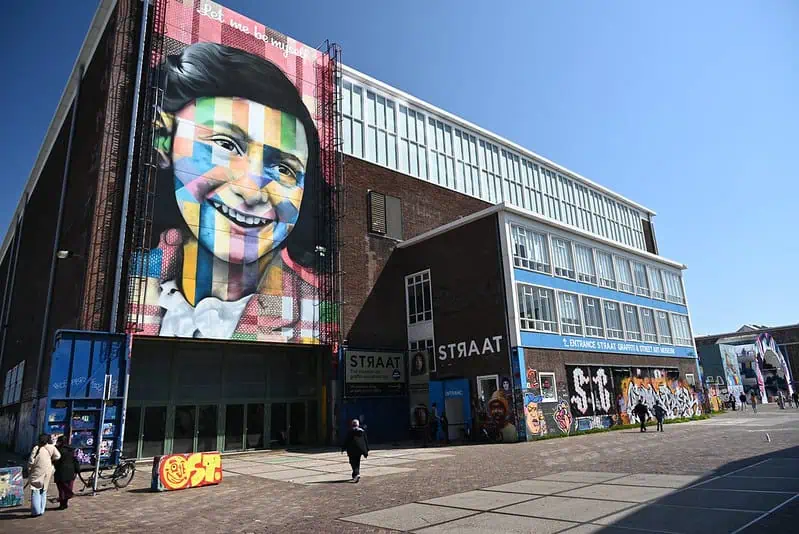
(601, 381)
(581, 399)
(677, 400)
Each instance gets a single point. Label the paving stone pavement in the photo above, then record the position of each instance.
(309, 498)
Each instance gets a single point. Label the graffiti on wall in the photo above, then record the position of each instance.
(534, 416)
(237, 247)
(11, 485)
(181, 471)
(676, 396)
(563, 417)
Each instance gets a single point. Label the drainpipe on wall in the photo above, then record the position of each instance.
(56, 238)
(123, 222)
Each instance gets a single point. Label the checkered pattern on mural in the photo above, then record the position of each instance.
(234, 174)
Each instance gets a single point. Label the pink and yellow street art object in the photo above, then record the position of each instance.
(181, 471)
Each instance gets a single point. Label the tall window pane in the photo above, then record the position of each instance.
(664, 328)
(648, 328)
(418, 296)
(592, 313)
(530, 250)
(632, 323)
(562, 255)
(585, 264)
(569, 313)
(613, 324)
(673, 287)
(625, 274)
(682, 330)
(657, 283)
(641, 283)
(607, 275)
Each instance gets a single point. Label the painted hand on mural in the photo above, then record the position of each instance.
(238, 155)
(563, 417)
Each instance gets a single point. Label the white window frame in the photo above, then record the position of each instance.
(677, 279)
(603, 281)
(425, 344)
(571, 328)
(654, 274)
(554, 398)
(617, 334)
(421, 281)
(624, 286)
(684, 339)
(630, 334)
(648, 337)
(480, 386)
(592, 330)
(589, 277)
(664, 339)
(570, 272)
(529, 261)
(639, 289)
(533, 324)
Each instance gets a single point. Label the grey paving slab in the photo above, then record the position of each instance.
(480, 500)
(228, 474)
(338, 468)
(320, 478)
(258, 468)
(670, 519)
(618, 493)
(588, 528)
(287, 474)
(753, 483)
(725, 499)
(772, 468)
(409, 516)
(565, 508)
(656, 481)
(536, 487)
(388, 461)
(367, 471)
(426, 456)
(480, 524)
(310, 463)
(582, 476)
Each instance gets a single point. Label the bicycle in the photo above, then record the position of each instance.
(121, 476)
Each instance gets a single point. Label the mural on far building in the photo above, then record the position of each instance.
(236, 240)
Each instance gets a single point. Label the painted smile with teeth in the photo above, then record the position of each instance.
(241, 219)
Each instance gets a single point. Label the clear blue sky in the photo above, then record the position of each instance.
(690, 108)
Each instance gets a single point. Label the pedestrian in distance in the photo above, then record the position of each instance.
(40, 467)
(789, 400)
(356, 445)
(445, 427)
(796, 399)
(754, 402)
(434, 423)
(732, 401)
(660, 415)
(66, 469)
(642, 413)
(742, 398)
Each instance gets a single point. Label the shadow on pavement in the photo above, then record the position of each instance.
(761, 499)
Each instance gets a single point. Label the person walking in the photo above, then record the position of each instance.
(40, 466)
(796, 399)
(742, 398)
(642, 413)
(754, 402)
(660, 414)
(66, 469)
(445, 427)
(433, 419)
(356, 445)
(731, 401)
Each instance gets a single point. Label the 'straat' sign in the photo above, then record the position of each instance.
(374, 373)
(466, 349)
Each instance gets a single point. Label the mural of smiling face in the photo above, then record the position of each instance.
(534, 417)
(239, 172)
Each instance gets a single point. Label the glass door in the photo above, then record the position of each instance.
(255, 426)
(278, 425)
(130, 443)
(206, 428)
(234, 427)
(154, 431)
(183, 430)
(297, 434)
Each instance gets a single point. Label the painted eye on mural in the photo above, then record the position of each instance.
(285, 170)
(228, 144)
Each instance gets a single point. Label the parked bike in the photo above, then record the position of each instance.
(120, 475)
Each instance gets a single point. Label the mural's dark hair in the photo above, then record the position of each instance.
(215, 70)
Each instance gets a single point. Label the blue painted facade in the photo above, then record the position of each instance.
(593, 344)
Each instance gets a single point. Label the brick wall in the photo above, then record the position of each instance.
(424, 206)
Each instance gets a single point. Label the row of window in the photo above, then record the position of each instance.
(388, 133)
(546, 310)
(531, 250)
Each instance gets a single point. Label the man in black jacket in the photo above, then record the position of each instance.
(356, 444)
(642, 413)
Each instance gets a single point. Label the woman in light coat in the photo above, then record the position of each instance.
(41, 470)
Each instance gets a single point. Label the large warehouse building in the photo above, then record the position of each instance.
(273, 230)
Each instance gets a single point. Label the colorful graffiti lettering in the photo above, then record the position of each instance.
(11, 484)
(580, 399)
(180, 471)
(563, 417)
(674, 395)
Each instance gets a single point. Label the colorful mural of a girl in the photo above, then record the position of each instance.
(234, 230)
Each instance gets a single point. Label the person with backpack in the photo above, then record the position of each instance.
(642, 413)
(40, 467)
(660, 415)
(66, 469)
(356, 445)
(742, 398)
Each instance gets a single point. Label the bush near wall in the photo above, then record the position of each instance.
(621, 427)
